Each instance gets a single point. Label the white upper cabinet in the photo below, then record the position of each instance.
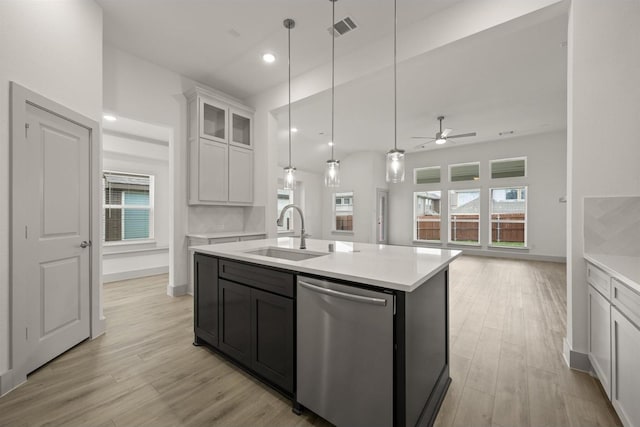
(213, 119)
(241, 128)
(220, 150)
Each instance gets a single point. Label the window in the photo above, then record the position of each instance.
(429, 175)
(508, 212)
(343, 211)
(464, 172)
(128, 206)
(508, 168)
(285, 197)
(426, 208)
(464, 217)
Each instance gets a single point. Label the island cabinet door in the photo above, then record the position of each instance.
(272, 338)
(206, 298)
(235, 321)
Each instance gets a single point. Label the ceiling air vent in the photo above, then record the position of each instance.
(342, 27)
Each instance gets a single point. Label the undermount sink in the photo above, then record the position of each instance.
(290, 254)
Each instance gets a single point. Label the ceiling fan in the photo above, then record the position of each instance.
(441, 137)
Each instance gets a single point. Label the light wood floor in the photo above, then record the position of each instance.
(507, 324)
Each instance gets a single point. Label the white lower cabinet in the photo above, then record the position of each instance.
(599, 314)
(625, 391)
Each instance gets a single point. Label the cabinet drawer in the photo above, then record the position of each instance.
(626, 300)
(274, 281)
(599, 279)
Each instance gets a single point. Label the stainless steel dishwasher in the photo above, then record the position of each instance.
(345, 353)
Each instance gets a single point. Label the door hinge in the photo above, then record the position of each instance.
(26, 129)
(26, 232)
(26, 334)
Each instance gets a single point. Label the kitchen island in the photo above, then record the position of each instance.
(359, 335)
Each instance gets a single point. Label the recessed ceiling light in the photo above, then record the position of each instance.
(268, 58)
(110, 118)
(330, 143)
(294, 130)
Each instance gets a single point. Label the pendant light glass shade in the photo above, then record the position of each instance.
(289, 171)
(289, 178)
(332, 170)
(395, 166)
(332, 173)
(395, 157)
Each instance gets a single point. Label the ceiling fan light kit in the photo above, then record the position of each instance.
(395, 157)
(289, 171)
(332, 169)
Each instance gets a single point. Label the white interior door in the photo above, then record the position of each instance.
(382, 207)
(52, 257)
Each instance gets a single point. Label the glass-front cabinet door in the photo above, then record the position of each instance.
(241, 129)
(213, 120)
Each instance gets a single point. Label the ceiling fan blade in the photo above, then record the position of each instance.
(446, 132)
(462, 135)
(422, 137)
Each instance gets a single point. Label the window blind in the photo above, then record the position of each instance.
(127, 206)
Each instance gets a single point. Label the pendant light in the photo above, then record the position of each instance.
(395, 157)
(332, 171)
(289, 171)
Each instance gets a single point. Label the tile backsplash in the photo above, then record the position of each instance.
(612, 225)
(211, 219)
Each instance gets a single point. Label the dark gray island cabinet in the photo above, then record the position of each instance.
(259, 317)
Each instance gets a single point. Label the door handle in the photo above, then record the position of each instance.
(85, 244)
(344, 295)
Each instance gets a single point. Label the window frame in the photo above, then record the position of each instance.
(415, 221)
(415, 175)
(526, 167)
(490, 242)
(334, 209)
(449, 213)
(150, 207)
(290, 213)
(451, 166)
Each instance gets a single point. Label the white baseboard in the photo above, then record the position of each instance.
(511, 255)
(134, 274)
(6, 382)
(177, 290)
(575, 359)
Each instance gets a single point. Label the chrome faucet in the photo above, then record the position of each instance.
(303, 243)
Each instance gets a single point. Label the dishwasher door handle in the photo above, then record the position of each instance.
(350, 297)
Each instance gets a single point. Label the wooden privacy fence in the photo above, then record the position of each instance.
(465, 228)
(344, 222)
(507, 227)
(428, 227)
(504, 228)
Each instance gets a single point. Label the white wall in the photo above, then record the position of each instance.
(41, 51)
(363, 173)
(128, 153)
(139, 90)
(603, 127)
(546, 179)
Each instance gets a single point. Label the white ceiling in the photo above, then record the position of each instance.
(220, 42)
(511, 77)
(498, 80)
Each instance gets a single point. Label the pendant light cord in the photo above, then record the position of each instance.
(289, 63)
(333, 73)
(395, 75)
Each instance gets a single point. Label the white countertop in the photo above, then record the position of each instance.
(624, 268)
(402, 268)
(221, 235)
